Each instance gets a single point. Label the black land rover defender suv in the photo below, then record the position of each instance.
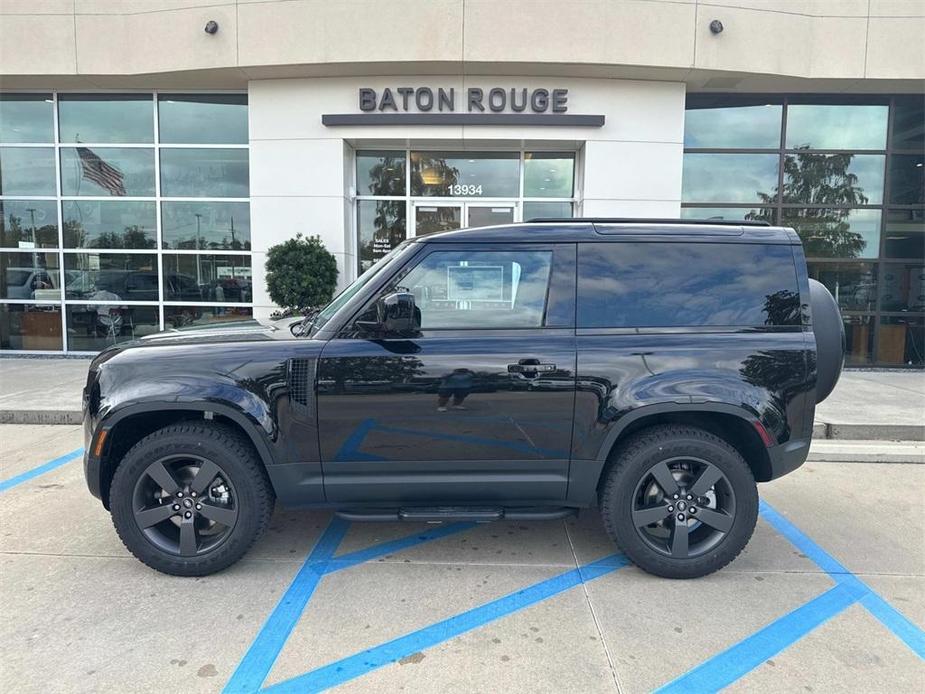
(657, 370)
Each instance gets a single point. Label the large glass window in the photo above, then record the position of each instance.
(104, 118)
(83, 239)
(109, 224)
(381, 227)
(28, 223)
(27, 171)
(853, 191)
(107, 171)
(381, 173)
(654, 285)
(465, 174)
(204, 173)
(214, 226)
(549, 175)
(27, 118)
(203, 119)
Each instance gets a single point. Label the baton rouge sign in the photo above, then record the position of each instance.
(472, 106)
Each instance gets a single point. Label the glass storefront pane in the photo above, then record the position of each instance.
(859, 340)
(109, 224)
(107, 171)
(903, 286)
(28, 224)
(214, 226)
(381, 226)
(32, 275)
(381, 173)
(747, 178)
(465, 174)
(822, 126)
(752, 126)
(204, 173)
(549, 174)
(110, 276)
(218, 278)
(905, 234)
(30, 327)
(901, 340)
(836, 233)
(833, 179)
(203, 119)
(103, 118)
(93, 327)
(27, 118)
(432, 220)
(766, 214)
(854, 285)
(27, 171)
(907, 179)
(540, 210)
(179, 317)
(909, 122)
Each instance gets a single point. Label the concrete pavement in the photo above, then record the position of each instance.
(496, 607)
(871, 405)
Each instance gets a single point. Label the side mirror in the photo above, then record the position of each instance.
(396, 314)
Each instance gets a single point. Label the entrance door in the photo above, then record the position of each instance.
(430, 218)
(488, 214)
(478, 405)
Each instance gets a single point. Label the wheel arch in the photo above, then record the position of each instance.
(129, 425)
(732, 424)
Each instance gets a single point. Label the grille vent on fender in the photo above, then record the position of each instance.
(300, 380)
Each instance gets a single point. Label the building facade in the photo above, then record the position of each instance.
(149, 159)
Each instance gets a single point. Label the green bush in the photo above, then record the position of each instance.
(301, 273)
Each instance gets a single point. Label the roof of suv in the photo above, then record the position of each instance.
(606, 229)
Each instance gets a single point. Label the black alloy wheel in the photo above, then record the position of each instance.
(185, 504)
(683, 507)
(190, 499)
(680, 501)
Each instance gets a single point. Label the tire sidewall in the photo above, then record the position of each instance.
(248, 500)
(627, 475)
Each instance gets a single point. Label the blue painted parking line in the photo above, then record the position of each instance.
(361, 663)
(40, 470)
(888, 615)
(265, 649)
(725, 668)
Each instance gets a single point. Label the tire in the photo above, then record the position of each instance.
(229, 513)
(829, 330)
(631, 493)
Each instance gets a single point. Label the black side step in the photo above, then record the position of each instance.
(440, 514)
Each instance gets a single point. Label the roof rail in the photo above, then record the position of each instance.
(644, 220)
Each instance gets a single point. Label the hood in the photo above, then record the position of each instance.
(237, 331)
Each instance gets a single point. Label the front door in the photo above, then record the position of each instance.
(430, 218)
(476, 407)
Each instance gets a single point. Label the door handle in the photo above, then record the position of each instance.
(530, 370)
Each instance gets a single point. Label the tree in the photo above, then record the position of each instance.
(301, 273)
(819, 179)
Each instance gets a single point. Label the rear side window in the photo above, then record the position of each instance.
(661, 285)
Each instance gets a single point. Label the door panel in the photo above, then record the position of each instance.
(430, 219)
(488, 215)
(451, 418)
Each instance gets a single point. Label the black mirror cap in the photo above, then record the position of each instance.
(398, 315)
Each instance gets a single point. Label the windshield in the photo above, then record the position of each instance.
(348, 293)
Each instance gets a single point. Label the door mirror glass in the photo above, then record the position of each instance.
(395, 314)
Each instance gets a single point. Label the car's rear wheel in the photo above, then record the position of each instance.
(679, 501)
(190, 499)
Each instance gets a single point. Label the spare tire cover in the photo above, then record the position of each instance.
(830, 339)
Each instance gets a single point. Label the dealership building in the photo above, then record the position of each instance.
(152, 151)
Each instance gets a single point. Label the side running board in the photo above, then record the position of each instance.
(442, 514)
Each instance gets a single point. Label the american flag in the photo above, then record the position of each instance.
(103, 174)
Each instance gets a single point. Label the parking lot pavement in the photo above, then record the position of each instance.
(511, 606)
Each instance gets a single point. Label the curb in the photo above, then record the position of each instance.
(41, 417)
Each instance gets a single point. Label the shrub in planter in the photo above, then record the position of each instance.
(301, 273)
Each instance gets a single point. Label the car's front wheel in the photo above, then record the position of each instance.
(190, 499)
(679, 501)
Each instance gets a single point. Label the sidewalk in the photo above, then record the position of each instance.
(866, 405)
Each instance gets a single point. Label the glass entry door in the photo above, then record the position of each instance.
(430, 218)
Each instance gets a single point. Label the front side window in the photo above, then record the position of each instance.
(656, 285)
(480, 289)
